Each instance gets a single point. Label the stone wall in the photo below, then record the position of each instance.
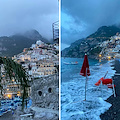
(45, 92)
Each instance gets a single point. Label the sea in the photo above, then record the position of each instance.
(73, 106)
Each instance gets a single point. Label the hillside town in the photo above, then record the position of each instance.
(39, 60)
(41, 63)
(110, 48)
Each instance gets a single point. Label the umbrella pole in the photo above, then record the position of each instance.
(86, 84)
(85, 87)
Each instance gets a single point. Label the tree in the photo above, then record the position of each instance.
(16, 71)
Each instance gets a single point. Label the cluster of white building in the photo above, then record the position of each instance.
(40, 59)
(110, 48)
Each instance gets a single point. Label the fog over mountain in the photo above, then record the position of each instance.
(21, 15)
(14, 44)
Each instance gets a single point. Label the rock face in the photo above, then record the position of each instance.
(45, 92)
(91, 44)
(45, 97)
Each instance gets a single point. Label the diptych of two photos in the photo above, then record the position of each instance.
(57, 60)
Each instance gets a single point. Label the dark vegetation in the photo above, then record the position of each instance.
(16, 71)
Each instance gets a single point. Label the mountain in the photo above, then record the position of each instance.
(105, 31)
(34, 35)
(15, 44)
(90, 44)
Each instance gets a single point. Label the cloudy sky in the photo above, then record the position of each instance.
(80, 18)
(22, 15)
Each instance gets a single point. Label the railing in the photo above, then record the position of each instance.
(55, 27)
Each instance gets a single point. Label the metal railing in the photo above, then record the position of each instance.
(55, 27)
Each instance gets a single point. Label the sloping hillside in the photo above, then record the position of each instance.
(90, 45)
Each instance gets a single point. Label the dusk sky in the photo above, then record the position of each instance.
(80, 18)
(22, 15)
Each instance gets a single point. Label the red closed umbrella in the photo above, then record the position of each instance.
(85, 71)
(85, 67)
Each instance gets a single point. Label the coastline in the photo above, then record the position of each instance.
(114, 110)
(73, 91)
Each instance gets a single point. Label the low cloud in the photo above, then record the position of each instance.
(21, 15)
(87, 16)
